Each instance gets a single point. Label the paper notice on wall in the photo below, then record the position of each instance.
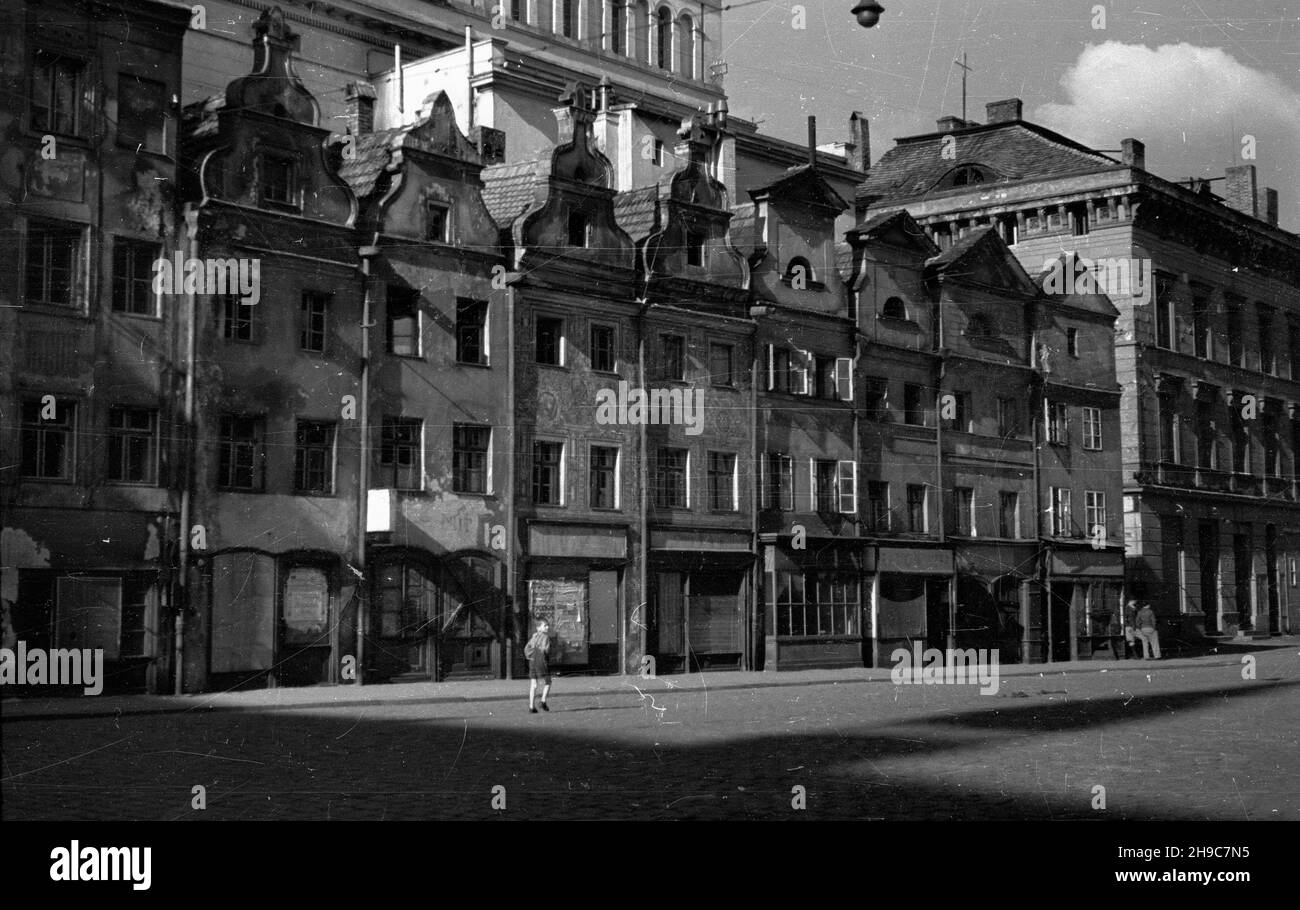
(563, 603)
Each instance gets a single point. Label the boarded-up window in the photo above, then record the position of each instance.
(604, 607)
(88, 614)
(243, 612)
(716, 617)
(668, 608)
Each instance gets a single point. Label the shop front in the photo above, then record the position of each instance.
(813, 604)
(911, 599)
(700, 591)
(994, 582)
(1084, 592)
(574, 577)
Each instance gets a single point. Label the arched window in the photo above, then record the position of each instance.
(967, 176)
(979, 326)
(686, 46)
(894, 308)
(640, 43)
(664, 38)
(568, 24)
(616, 26)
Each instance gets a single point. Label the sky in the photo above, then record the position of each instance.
(1202, 83)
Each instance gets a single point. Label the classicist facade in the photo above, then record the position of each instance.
(476, 360)
(1206, 346)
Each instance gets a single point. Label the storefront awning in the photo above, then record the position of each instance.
(915, 561)
(1093, 563)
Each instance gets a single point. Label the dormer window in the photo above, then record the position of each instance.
(579, 230)
(967, 176)
(437, 222)
(695, 243)
(799, 273)
(278, 180)
(894, 308)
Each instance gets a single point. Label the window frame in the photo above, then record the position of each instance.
(611, 349)
(559, 323)
(81, 65)
(300, 450)
(1092, 432)
(464, 458)
(725, 481)
(230, 446)
(144, 146)
(392, 429)
(307, 317)
(595, 470)
(409, 299)
(472, 333)
(126, 287)
(53, 230)
(42, 428)
(118, 441)
(557, 483)
(662, 469)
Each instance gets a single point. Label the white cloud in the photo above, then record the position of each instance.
(1191, 106)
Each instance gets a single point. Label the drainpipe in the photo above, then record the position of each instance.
(366, 253)
(469, 80)
(938, 472)
(643, 481)
(756, 574)
(191, 215)
(509, 582)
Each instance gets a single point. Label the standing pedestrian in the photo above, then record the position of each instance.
(1146, 626)
(1130, 630)
(535, 652)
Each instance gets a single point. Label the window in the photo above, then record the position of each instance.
(962, 421)
(1202, 335)
(241, 463)
(657, 153)
(1061, 524)
(278, 180)
(311, 336)
(1092, 428)
(1240, 442)
(550, 341)
(579, 230)
(548, 477)
(568, 18)
(967, 176)
(141, 113)
(403, 321)
(1008, 514)
(824, 603)
(132, 445)
(1267, 357)
(1058, 424)
(893, 308)
(1170, 445)
(133, 277)
(1010, 230)
(672, 353)
(1269, 438)
(823, 485)
(135, 632)
(686, 46)
(617, 22)
(787, 370)
(48, 439)
(963, 504)
(1094, 508)
(1165, 285)
(916, 519)
(471, 331)
(875, 397)
(878, 505)
(695, 247)
(1206, 436)
(401, 454)
(1008, 417)
(604, 477)
(1078, 218)
(56, 94)
(722, 482)
(778, 491)
(518, 10)
(52, 254)
(1236, 337)
(664, 38)
(235, 317)
(471, 466)
(671, 479)
(602, 348)
(437, 221)
(313, 458)
(720, 364)
(914, 409)
(824, 384)
(1072, 342)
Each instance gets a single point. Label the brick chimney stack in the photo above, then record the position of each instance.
(1239, 189)
(1007, 111)
(1267, 202)
(360, 98)
(859, 144)
(1134, 153)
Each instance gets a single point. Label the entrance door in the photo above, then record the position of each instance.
(1062, 627)
(403, 620)
(1210, 576)
(305, 628)
(936, 613)
(715, 618)
(602, 634)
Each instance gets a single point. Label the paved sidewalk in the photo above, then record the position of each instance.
(460, 691)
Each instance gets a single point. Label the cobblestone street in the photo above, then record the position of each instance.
(1183, 739)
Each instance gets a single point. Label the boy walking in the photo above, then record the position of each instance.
(535, 652)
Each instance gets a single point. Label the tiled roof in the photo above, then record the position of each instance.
(843, 258)
(1016, 151)
(508, 190)
(803, 182)
(637, 211)
(959, 249)
(741, 228)
(372, 152)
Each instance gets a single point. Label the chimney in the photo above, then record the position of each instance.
(1267, 202)
(859, 144)
(950, 123)
(694, 141)
(1133, 153)
(1007, 111)
(491, 144)
(812, 141)
(1239, 189)
(574, 115)
(360, 98)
